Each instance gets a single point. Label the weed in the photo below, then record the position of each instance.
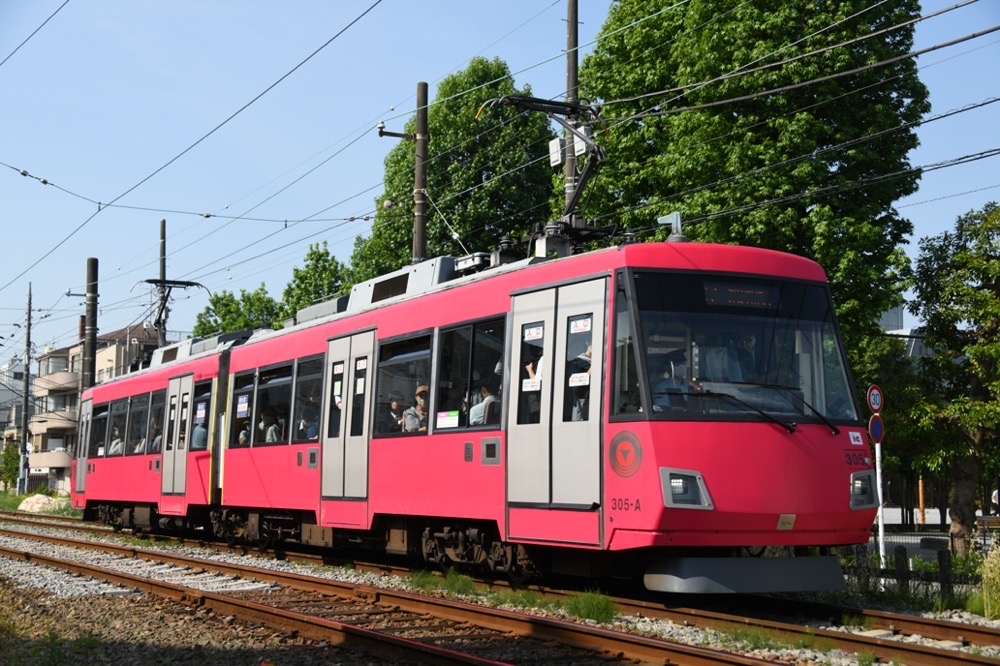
(867, 659)
(859, 621)
(592, 605)
(753, 639)
(520, 599)
(459, 585)
(424, 580)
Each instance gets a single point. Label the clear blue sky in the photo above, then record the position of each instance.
(106, 93)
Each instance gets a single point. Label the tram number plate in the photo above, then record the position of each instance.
(625, 504)
(855, 458)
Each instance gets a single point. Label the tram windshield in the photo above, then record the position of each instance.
(738, 347)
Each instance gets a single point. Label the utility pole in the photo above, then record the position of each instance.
(420, 137)
(572, 85)
(420, 178)
(161, 315)
(163, 288)
(22, 478)
(90, 327)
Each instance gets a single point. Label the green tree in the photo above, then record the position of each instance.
(800, 169)
(957, 284)
(486, 177)
(225, 312)
(10, 462)
(911, 446)
(319, 279)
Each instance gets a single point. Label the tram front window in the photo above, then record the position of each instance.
(734, 347)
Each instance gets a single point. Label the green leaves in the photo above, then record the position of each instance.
(796, 170)
(485, 177)
(226, 312)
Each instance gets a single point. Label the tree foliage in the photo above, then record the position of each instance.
(802, 169)
(319, 279)
(10, 462)
(957, 283)
(486, 177)
(226, 312)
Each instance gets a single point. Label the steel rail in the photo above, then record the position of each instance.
(572, 634)
(881, 647)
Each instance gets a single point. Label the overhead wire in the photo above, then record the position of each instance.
(376, 186)
(193, 145)
(33, 33)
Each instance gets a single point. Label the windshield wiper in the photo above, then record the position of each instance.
(790, 426)
(794, 393)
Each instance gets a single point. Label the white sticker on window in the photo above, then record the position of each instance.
(447, 419)
(531, 385)
(579, 379)
(534, 333)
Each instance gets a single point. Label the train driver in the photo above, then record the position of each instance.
(415, 418)
(671, 390)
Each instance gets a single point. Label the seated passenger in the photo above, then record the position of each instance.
(415, 418)
(157, 440)
(391, 418)
(116, 444)
(308, 428)
(270, 427)
(487, 410)
(199, 439)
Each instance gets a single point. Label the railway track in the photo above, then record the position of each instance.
(887, 636)
(409, 626)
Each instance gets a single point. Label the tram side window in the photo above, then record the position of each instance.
(470, 375)
(168, 445)
(308, 392)
(532, 373)
(202, 414)
(627, 398)
(404, 371)
(157, 414)
(274, 406)
(138, 415)
(116, 428)
(98, 429)
(579, 350)
(336, 398)
(358, 398)
(242, 410)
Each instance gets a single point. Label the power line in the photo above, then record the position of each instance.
(193, 145)
(33, 33)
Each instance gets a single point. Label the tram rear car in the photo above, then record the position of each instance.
(662, 409)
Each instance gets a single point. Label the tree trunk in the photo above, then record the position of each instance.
(964, 484)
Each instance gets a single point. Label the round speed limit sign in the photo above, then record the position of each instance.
(875, 398)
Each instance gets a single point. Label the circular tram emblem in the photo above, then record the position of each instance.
(625, 453)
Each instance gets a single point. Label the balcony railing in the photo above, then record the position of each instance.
(57, 382)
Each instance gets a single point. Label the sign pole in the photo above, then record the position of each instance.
(876, 430)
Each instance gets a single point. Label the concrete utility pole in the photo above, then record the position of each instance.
(161, 316)
(420, 178)
(90, 327)
(420, 137)
(22, 479)
(572, 86)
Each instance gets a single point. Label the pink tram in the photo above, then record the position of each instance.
(664, 410)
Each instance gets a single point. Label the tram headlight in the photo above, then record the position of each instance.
(863, 495)
(684, 489)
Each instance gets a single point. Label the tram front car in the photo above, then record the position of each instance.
(736, 456)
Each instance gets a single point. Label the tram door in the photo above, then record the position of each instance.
(350, 370)
(175, 445)
(82, 442)
(554, 429)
